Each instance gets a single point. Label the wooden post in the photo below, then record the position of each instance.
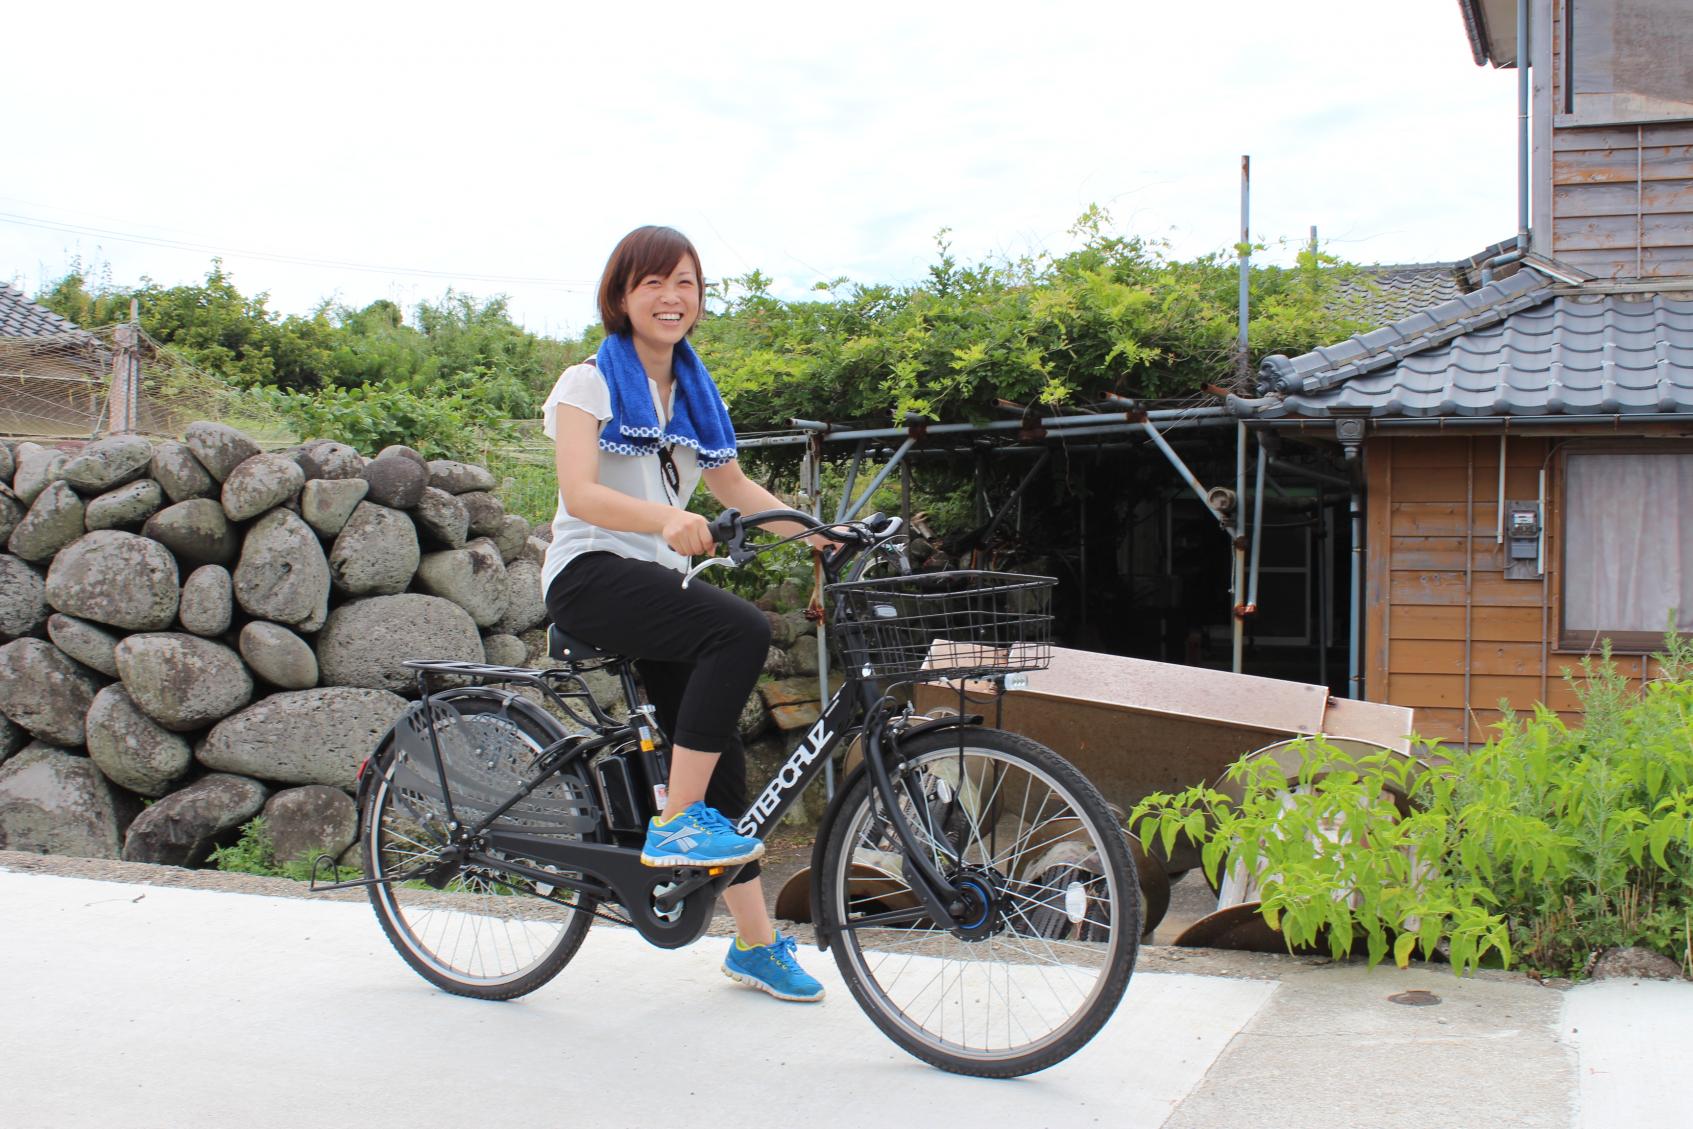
(121, 406)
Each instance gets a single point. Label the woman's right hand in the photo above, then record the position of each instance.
(688, 534)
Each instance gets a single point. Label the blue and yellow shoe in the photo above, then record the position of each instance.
(772, 968)
(697, 836)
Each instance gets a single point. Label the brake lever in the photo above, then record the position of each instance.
(705, 564)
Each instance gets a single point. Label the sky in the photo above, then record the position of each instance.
(364, 150)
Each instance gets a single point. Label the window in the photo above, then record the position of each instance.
(1628, 60)
(1628, 548)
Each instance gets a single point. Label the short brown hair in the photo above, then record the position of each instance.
(644, 251)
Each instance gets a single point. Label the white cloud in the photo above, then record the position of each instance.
(809, 141)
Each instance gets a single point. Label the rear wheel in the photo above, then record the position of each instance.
(1035, 853)
(483, 932)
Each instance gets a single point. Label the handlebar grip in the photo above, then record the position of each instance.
(726, 525)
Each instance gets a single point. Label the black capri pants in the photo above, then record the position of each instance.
(699, 651)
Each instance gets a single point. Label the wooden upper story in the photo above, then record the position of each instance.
(1612, 133)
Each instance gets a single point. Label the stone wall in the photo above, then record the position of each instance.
(196, 633)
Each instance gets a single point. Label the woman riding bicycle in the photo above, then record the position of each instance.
(636, 428)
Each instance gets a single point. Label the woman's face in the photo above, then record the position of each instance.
(662, 309)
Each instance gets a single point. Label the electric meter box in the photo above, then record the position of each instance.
(1522, 540)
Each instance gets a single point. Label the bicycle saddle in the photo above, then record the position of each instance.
(568, 647)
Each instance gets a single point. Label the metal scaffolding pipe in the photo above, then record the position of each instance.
(1312, 475)
(1187, 475)
(881, 477)
(1355, 629)
(1239, 616)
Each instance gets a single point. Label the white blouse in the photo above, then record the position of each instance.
(638, 476)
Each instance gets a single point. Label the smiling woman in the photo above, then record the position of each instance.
(637, 428)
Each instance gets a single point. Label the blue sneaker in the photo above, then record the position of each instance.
(772, 968)
(697, 836)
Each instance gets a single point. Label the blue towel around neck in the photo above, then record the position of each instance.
(698, 418)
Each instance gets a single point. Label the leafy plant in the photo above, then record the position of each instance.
(255, 853)
(1546, 845)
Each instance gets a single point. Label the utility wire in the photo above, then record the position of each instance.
(572, 285)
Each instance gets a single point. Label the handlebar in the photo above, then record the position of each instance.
(731, 527)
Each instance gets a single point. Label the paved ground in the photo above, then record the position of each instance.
(138, 1004)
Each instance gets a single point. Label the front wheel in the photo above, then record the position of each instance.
(1047, 947)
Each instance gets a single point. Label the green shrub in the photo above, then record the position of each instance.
(255, 853)
(1546, 845)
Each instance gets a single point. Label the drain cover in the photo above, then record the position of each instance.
(1416, 997)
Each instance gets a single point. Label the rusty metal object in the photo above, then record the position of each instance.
(1240, 927)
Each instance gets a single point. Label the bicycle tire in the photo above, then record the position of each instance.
(483, 916)
(1065, 898)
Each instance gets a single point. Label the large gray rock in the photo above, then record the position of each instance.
(44, 691)
(327, 503)
(115, 578)
(197, 530)
(328, 459)
(487, 513)
(208, 601)
(179, 473)
(306, 822)
(53, 521)
(396, 482)
(109, 462)
(219, 447)
(37, 466)
(260, 483)
(92, 646)
(534, 549)
(375, 554)
(184, 827)
(504, 650)
(181, 681)
(12, 510)
(513, 534)
(133, 750)
(473, 577)
(23, 599)
(278, 656)
(54, 803)
(126, 507)
(365, 641)
(525, 605)
(283, 575)
(264, 739)
(459, 478)
(404, 452)
(442, 518)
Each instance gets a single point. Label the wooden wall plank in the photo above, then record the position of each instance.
(1488, 625)
(1655, 196)
(1446, 519)
(1566, 138)
(1446, 586)
(1448, 553)
(1622, 166)
(1655, 262)
(1624, 231)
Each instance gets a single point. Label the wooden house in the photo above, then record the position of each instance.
(1526, 448)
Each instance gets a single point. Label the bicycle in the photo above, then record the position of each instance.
(974, 888)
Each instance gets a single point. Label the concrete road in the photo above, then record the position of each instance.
(127, 1004)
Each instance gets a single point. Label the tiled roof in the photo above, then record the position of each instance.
(1379, 294)
(19, 317)
(1529, 352)
(1333, 365)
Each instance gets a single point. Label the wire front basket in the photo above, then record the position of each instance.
(938, 625)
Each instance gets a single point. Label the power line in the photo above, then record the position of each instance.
(571, 285)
